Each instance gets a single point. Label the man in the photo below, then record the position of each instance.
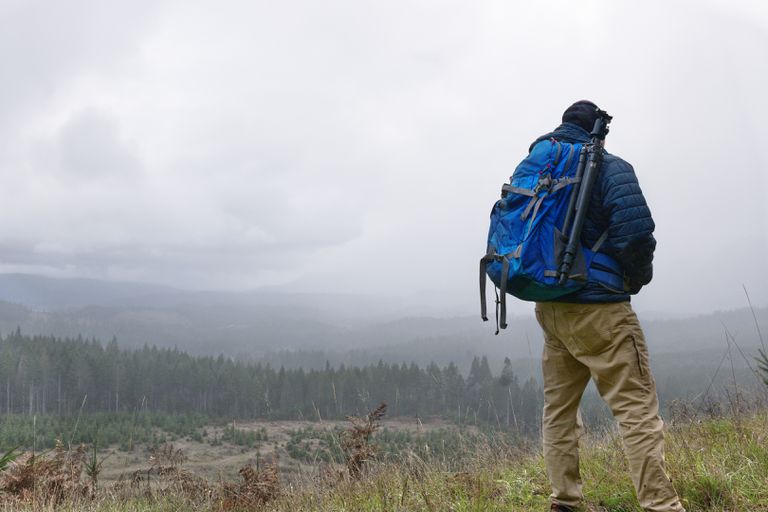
(593, 332)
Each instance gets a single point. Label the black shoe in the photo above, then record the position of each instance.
(561, 508)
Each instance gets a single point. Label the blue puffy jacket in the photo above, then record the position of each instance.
(618, 205)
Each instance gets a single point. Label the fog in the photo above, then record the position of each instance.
(357, 147)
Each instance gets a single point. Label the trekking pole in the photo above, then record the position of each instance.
(590, 170)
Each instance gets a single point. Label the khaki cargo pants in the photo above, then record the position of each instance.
(604, 342)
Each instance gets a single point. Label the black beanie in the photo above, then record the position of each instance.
(582, 113)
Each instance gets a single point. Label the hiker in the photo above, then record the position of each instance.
(593, 332)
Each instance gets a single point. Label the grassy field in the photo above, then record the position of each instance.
(299, 448)
(720, 464)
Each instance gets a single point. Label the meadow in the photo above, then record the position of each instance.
(717, 460)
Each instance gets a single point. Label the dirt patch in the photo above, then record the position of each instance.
(215, 459)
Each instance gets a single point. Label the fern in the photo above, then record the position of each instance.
(8, 458)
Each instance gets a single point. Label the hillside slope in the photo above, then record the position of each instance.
(720, 464)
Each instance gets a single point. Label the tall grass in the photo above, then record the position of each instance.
(717, 463)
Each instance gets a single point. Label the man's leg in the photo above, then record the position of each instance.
(623, 377)
(564, 381)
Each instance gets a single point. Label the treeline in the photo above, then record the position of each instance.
(126, 430)
(51, 376)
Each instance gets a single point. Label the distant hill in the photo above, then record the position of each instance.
(46, 293)
(268, 323)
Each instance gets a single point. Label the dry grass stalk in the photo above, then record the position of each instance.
(257, 488)
(165, 463)
(356, 440)
(47, 479)
(166, 456)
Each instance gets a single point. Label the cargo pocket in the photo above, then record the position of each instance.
(640, 365)
(639, 357)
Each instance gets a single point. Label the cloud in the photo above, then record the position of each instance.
(45, 46)
(90, 147)
(356, 146)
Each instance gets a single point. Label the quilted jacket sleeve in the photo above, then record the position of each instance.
(630, 225)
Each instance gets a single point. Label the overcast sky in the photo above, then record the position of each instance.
(356, 146)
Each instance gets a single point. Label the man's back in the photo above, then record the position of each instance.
(618, 206)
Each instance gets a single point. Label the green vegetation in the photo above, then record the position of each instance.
(44, 376)
(7, 458)
(125, 430)
(720, 464)
(762, 363)
(450, 446)
(249, 438)
(717, 465)
(311, 445)
(485, 455)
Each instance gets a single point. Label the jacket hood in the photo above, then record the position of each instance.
(566, 132)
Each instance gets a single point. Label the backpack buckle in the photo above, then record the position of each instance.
(545, 183)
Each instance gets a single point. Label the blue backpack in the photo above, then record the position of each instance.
(526, 239)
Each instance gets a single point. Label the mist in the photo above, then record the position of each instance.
(356, 147)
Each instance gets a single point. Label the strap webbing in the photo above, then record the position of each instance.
(534, 202)
(528, 208)
(501, 302)
(489, 256)
(483, 306)
(536, 211)
(600, 241)
(503, 292)
(536, 199)
(555, 273)
(569, 159)
(563, 182)
(516, 190)
(558, 153)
